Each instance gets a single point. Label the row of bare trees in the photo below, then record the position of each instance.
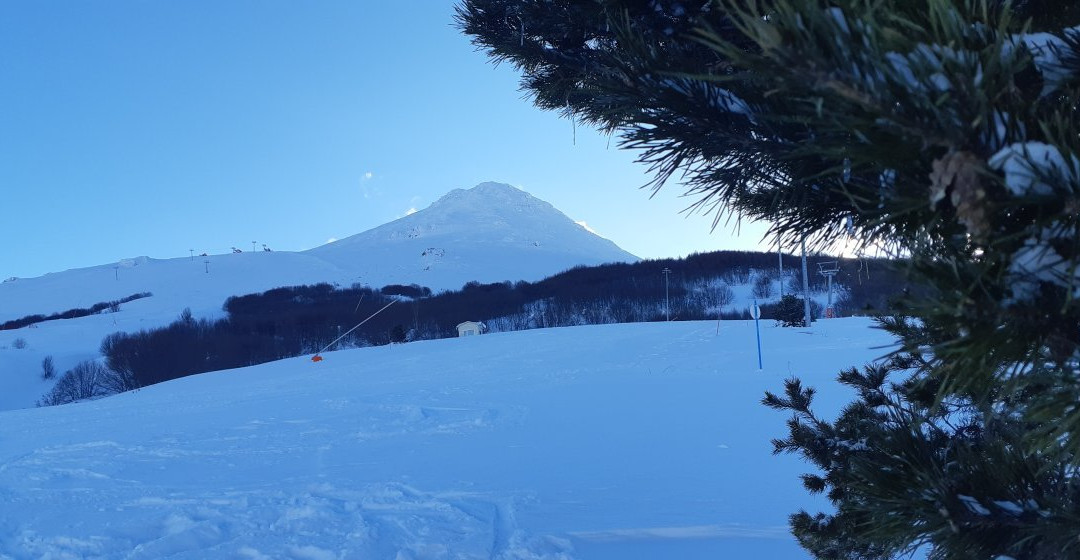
(292, 321)
(89, 379)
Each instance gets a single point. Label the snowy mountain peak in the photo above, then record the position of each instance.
(489, 195)
(491, 232)
(482, 207)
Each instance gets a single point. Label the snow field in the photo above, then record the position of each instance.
(617, 441)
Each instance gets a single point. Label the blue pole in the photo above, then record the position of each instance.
(757, 329)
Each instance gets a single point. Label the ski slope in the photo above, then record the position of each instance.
(490, 233)
(598, 442)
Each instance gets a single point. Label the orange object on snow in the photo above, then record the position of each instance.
(316, 358)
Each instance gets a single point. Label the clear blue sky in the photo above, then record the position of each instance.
(133, 128)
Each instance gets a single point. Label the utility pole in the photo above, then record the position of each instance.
(192, 251)
(805, 287)
(252, 246)
(206, 263)
(667, 298)
(780, 258)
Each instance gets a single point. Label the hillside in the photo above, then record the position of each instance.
(288, 322)
(606, 442)
(490, 233)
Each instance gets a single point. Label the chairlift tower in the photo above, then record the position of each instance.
(829, 269)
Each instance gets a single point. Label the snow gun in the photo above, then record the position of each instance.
(318, 358)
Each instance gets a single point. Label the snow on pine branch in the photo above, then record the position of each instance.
(1035, 263)
(1037, 169)
(1032, 168)
(1049, 51)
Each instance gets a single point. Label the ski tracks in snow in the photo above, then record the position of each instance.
(595, 442)
(314, 499)
(321, 521)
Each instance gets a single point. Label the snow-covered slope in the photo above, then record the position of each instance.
(489, 233)
(201, 283)
(606, 442)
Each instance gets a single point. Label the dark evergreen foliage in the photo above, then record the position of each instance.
(791, 312)
(397, 334)
(943, 130)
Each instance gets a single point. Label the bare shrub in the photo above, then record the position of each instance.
(84, 381)
(763, 288)
(48, 369)
(113, 381)
(718, 296)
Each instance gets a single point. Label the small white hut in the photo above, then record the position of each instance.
(470, 328)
